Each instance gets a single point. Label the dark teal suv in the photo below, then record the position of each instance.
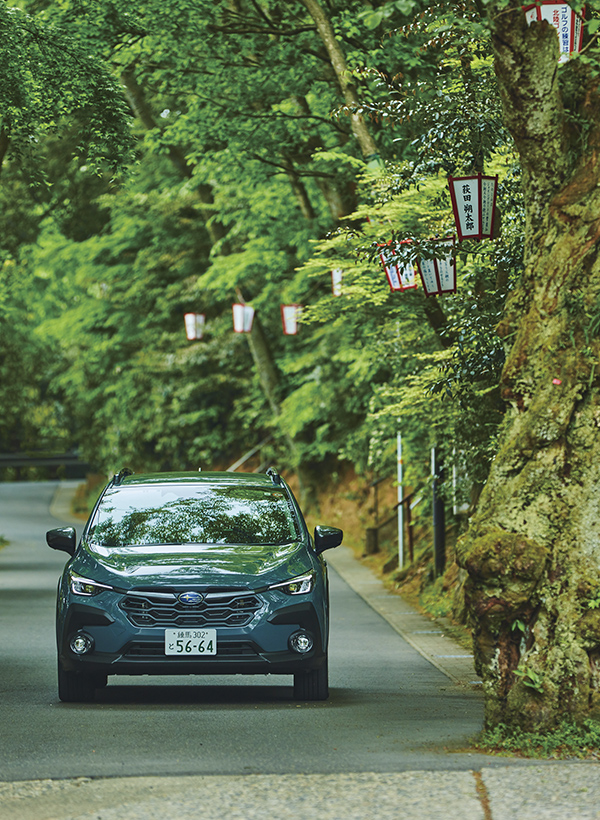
(193, 573)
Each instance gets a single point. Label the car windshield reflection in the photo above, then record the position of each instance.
(192, 517)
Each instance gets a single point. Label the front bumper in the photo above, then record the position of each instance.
(261, 647)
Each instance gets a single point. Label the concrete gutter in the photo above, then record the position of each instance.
(428, 637)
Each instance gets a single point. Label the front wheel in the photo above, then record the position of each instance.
(77, 687)
(313, 685)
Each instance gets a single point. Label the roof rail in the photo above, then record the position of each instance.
(118, 477)
(274, 475)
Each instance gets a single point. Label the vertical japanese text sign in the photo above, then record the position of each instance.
(400, 277)
(474, 205)
(567, 23)
(439, 275)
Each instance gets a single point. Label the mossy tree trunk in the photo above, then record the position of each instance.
(532, 551)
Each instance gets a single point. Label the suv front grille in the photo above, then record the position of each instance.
(217, 609)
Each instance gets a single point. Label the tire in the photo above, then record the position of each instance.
(313, 685)
(77, 687)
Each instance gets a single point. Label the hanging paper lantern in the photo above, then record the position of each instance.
(243, 316)
(400, 276)
(289, 318)
(439, 275)
(194, 325)
(474, 205)
(567, 23)
(336, 281)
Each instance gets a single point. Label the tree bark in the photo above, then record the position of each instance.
(4, 145)
(337, 58)
(532, 551)
(268, 375)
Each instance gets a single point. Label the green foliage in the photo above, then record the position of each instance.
(247, 187)
(49, 82)
(531, 679)
(567, 741)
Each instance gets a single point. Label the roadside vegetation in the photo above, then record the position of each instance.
(567, 741)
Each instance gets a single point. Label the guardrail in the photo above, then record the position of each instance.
(74, 466)
(372, 533)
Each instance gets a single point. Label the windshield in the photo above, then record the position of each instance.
(188, 514)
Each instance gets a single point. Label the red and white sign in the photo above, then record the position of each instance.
(289, 318)
(568, 24)
(194, 325)
(439, 275)
(474, 205)
(243, 316)
(400, 276)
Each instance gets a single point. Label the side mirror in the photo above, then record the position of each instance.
(63, 539)
(326, 538)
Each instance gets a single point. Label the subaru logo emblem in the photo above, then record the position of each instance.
(191, 598)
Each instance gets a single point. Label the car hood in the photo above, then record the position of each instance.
(210, 565)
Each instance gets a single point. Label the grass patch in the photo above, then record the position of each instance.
(567, 741)
(3, 542)
(436, 600)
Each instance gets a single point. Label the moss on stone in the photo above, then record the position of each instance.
(503, 558)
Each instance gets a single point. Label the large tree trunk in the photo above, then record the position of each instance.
(533, 547)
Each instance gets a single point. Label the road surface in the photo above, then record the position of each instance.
(389, 743)
(389, 708)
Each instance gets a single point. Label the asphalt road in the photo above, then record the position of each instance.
(389, 710)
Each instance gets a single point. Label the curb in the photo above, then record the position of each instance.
(426, 636)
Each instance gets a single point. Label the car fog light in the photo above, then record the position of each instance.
(301, 642)
(81, 644)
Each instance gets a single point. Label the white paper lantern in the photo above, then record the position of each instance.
(243, 317)
(439, 275)
(289, 318)
(567, 23)
(474, 205)
(337, 274)
(400, 276)
(194, 325)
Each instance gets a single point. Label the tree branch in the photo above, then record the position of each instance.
(338, 61)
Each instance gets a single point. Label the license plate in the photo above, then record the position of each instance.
(190, 641)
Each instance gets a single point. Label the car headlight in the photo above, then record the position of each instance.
(296, 586)
(84, 586)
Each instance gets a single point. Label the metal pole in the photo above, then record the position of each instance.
(400, 506)
(439, 517)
